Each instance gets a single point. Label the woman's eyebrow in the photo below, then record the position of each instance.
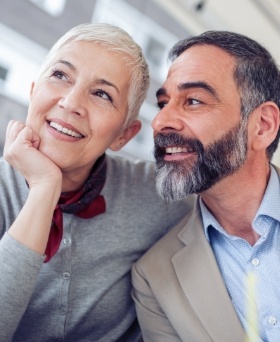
(98, 81)
(110, 84)
(68, 64)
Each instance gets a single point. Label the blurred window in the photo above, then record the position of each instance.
(53, 7)
(3, 73)
(154, 51)
(154, 39)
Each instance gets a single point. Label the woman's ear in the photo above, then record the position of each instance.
(126, 135)
(31, 88)
(267, 125)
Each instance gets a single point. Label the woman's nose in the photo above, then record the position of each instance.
(73, 100)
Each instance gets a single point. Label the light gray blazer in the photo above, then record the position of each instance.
(179, 292)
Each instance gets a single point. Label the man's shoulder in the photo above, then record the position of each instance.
(185, 232)
(164, 249)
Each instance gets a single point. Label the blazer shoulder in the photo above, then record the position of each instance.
(166, 247)
(188, 229)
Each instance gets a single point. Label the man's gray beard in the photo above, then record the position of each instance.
(174, 182)
(178, 179)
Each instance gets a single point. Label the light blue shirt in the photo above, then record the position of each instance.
(236, 258)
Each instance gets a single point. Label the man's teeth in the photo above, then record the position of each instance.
(177, 149)
(65, 130)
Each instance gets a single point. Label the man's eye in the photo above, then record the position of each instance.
(194, 102)
(161, 104)
(103, 94)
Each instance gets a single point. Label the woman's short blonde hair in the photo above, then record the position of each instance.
(118, 40)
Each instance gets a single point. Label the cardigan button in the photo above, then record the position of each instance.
(66, 275)
(62, 310)
(67, 241)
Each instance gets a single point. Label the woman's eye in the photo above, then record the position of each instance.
(58, 74)
(104, 95)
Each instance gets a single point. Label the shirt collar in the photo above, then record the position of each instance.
(269, 206)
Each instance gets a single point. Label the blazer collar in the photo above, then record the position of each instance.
(202, 282)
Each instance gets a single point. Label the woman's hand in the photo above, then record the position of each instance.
(32, 225)
(21, 151)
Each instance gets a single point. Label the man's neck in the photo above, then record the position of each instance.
(235, 200)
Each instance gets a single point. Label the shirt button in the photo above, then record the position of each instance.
(255, 262)
(272, 320)
(67, 241)
(66, 275)
(62, 310)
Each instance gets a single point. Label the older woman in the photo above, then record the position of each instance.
(72, 219)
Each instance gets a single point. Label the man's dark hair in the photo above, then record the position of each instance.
(256, 74)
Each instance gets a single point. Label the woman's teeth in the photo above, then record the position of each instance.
(65, 130)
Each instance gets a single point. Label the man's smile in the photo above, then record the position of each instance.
(178, 149)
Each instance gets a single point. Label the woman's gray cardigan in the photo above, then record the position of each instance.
(83, 293)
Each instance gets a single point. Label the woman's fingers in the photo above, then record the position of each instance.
(18, 137)
(21, 151)
(13, 129)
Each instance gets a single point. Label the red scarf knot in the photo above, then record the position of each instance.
(84, 203)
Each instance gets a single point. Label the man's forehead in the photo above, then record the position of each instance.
(201, 60)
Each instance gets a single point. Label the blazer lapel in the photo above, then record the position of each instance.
(202, 283)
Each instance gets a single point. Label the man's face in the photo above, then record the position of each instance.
(199, 137)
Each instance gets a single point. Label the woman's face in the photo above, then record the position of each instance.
(79, 105)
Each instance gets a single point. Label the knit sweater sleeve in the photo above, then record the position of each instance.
(18, 266)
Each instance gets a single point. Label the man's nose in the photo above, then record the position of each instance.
(167, 119)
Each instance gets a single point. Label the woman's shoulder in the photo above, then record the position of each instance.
(131, 168)
(14, 191)
(13, 184)
(8, 173)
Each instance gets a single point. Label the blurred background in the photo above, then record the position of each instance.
(28, 28)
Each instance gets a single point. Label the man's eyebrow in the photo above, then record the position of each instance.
(161, 91)
(199, 84)
(189, 85)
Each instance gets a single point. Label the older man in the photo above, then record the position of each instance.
(215, 134)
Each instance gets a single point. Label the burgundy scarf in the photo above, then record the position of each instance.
(84, 203)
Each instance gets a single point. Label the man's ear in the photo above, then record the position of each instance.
(267, 125)
(126, 135)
